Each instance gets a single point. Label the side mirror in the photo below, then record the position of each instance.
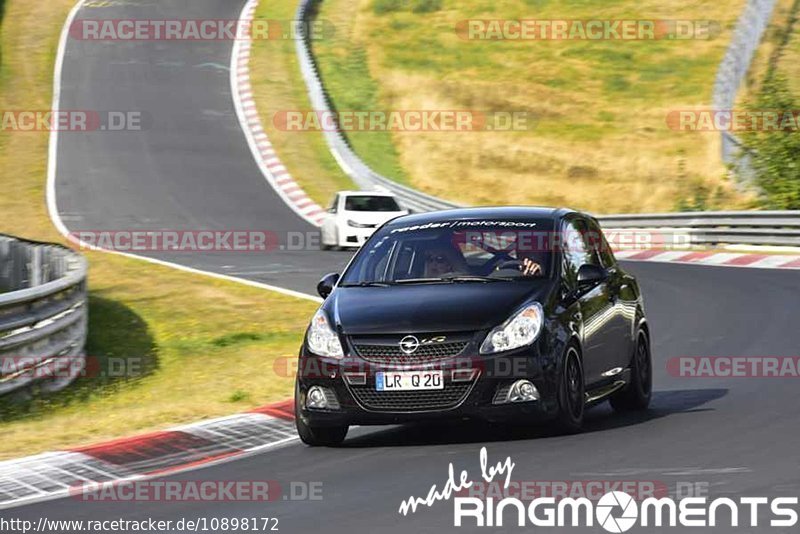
(325, 286)
(590, 274)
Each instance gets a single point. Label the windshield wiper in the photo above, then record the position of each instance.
(471, 278)
(448, 279)
(419, 280)
(367, 284)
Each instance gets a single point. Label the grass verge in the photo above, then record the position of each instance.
(342, 60)
(278, 87)
(599, 141)
(195, 347)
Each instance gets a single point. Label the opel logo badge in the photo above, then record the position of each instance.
(409, 344)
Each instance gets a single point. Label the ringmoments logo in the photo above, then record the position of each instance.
(605, 511)
(618, 511)
(615, 511)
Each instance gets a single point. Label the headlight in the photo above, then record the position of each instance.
(322, 340)
(519, 330)
(359, 225)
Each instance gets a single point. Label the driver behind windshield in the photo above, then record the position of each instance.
(442, 260)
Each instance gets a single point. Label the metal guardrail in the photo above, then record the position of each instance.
(43, 315)
(361, 174)
(732, 71)
(711, 228)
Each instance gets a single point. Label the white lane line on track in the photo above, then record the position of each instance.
(52, 166)
(667, 471)
(772, 262)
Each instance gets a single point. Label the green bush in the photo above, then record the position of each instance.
(426, 6)
(381, 7)
(775, 155)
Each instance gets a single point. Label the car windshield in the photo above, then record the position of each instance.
(452, 252)
(370, 203)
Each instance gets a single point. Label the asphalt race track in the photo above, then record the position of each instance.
(192, 169)
(737, 435)
(189, 167)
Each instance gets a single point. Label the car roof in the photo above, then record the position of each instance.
(489, 212)
(366, 193)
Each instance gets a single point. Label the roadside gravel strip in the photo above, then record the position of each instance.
(720, 259)
(58, 474)
(276, 174)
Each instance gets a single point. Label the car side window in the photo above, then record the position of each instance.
(334, 207)
(577, 249)
(600, 243)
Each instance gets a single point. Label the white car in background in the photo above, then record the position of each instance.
(354, 215)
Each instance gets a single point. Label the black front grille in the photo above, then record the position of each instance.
(451, 396)
(391, 354)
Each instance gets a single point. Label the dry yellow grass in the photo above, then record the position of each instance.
(600, 140)
(209, 347)
(787, 55)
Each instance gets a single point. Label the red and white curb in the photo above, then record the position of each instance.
(274, 171)
(55, 474)
(721, 259)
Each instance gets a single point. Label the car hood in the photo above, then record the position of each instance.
(429, 307)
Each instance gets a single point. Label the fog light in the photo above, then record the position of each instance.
(527, 390)
(523, 391)
(519, 391)
(316, 398)
(321, 398)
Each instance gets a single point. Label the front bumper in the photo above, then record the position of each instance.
(362, 404)
(354, 237)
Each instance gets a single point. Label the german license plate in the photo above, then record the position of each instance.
(408, 380)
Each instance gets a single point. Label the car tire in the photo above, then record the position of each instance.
(571, 393)
(636, 396)
(317, 436)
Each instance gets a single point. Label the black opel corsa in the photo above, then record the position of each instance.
(509, 314)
